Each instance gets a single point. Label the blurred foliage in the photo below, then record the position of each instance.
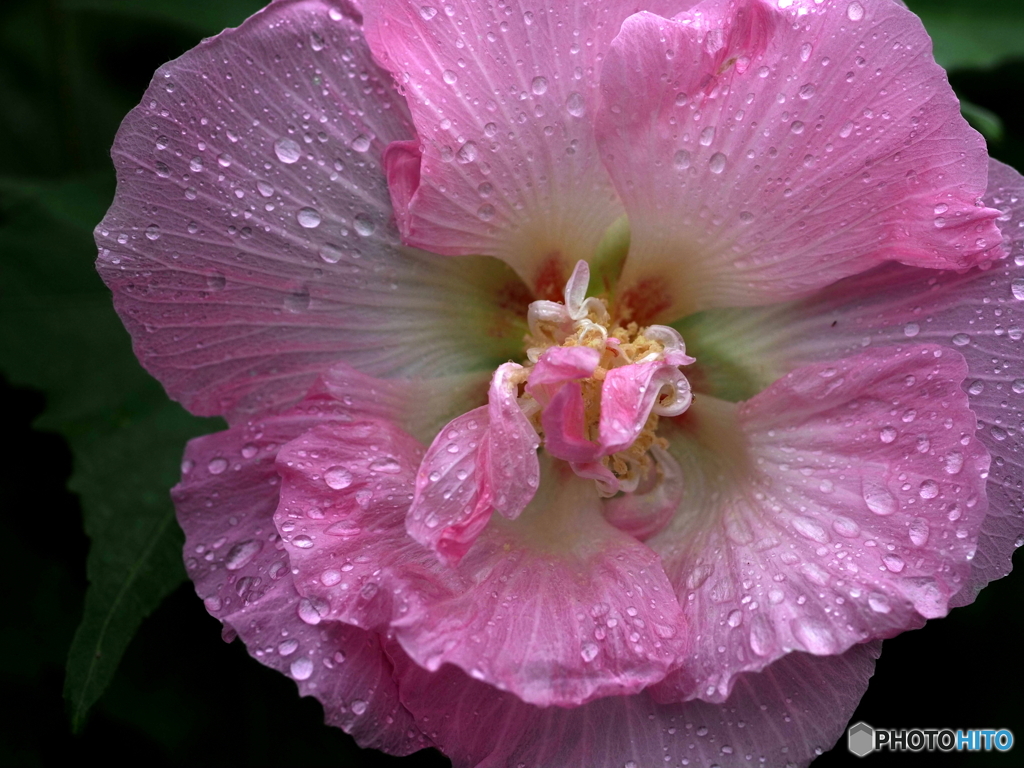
(973, 34)
(83, 415)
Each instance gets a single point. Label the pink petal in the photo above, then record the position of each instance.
(786, 715)
(345, 495)
(840, 504)
(565, 427)
(250, 244)
(225, 502)
(647, 510)
(778, 150)
(483, 460)
(453, 500)
(504, 98)
(557, 606)
(630, 393)
(553, 383)
(979, 314)
(512, 447)
(559, 365)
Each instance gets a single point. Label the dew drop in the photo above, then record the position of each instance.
(360, 143)
(242, 554)
(287, 150)
(152, 232)
(919, 532)
(363, 225)
(887, 434)
(910, 330)
(288, 647)
(308, 218)
(338, 478)
(467, 153)
(878, 498)
(855, 11)
(216, 466)
(717, 163)
(359, 707)
(386, 465)
(879, 603)
(589, 652)
(576, 105)
(450, 76)
(815, 636)
(894, 563)
(681, 159)
(844, 526)
(961, 339)
(1017, 288)
(302, 668)
(427, 12)
(539, 86)
(929, 489)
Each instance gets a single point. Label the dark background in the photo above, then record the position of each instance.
(69, 71)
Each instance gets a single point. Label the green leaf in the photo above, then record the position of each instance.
(59, 334)
(984, 121)
(204, 16)
(978, 34)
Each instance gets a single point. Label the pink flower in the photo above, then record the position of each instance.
(466, 497)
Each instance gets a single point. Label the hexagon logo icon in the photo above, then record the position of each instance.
(860, 739)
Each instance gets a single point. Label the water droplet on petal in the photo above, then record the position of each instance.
(359, 707)
(717, 163)
(855, 11)
(386, 465)
(1017, 288)
(576, 105)
(216, 466)
(929, 489)
(338, 478)
(309, 218)
(539, 85)
(878, 498)
(287, 150)
(361, 143)
(363, 225)
(242, 554)
(302, 668)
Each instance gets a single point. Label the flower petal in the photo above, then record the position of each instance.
(346, 490)
(980, 314)
(226, 501)
(630, 393)
(557, 606)
(786, 715)
(744, 187)
(250, 245)
(512, 447)
(483, 460)
(503, 98)
(647, 510)
(840, 504)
